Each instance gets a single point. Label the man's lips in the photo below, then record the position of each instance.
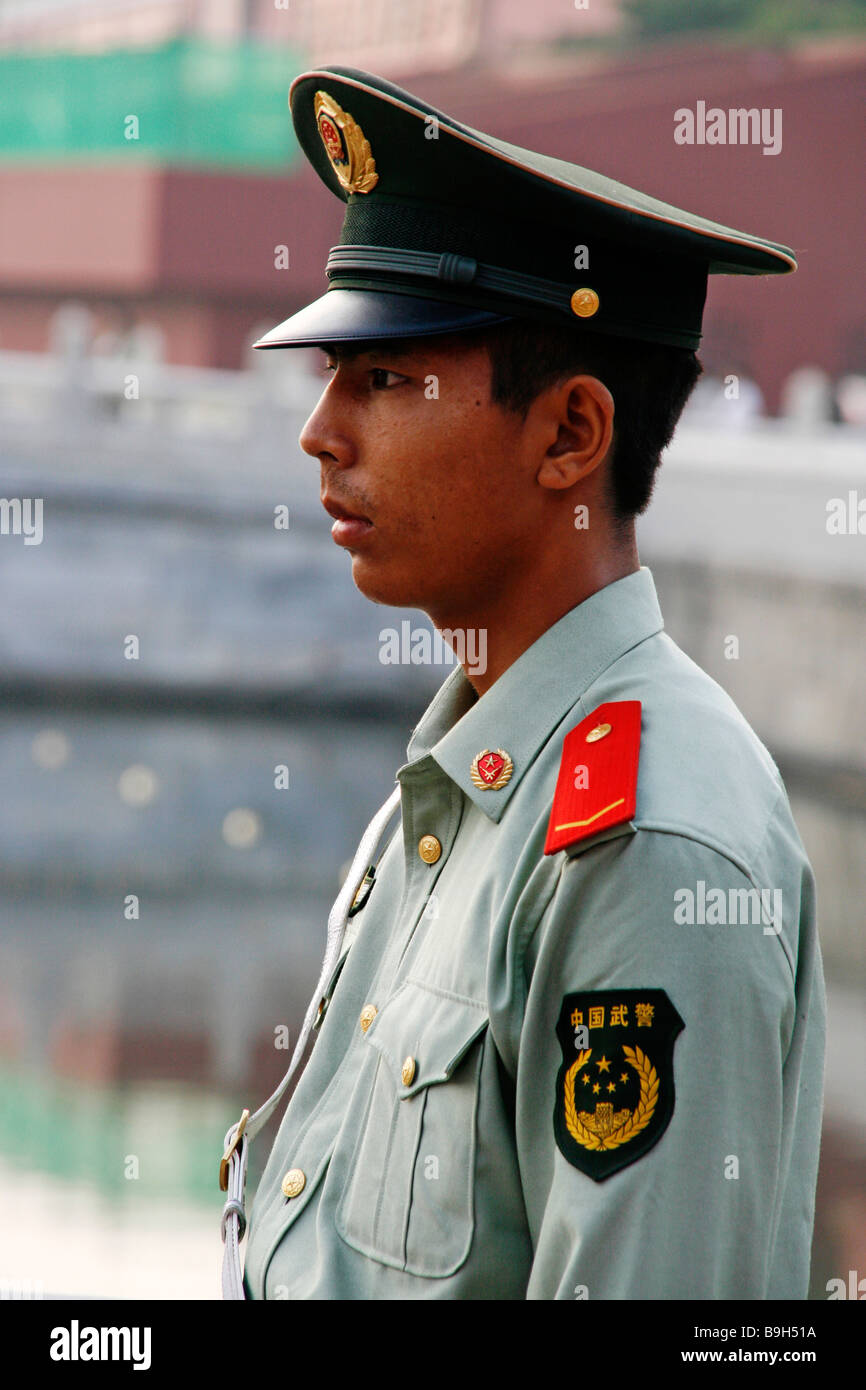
(349, 527)
(340, 513)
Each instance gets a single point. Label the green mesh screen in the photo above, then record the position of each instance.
(196, 104)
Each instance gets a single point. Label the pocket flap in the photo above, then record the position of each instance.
(427, 1027)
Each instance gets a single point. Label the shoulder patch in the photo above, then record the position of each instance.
(615, 1088)
(597, 781)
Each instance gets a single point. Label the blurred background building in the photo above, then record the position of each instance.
(194, 719)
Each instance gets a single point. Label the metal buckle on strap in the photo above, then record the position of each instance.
(236, 1139)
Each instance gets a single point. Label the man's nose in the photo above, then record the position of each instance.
(323, 439)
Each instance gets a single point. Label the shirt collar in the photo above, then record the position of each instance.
(523, 707)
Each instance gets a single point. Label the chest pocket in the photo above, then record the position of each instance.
(409, 1196)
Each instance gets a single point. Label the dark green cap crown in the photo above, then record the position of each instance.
(447, 227)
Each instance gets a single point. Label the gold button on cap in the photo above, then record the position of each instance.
(293, 1183)
(368, 1013)
(429, 848)
(408, 1072)
(584, 303)
(600, 731)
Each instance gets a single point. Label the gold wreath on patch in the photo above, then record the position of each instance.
(345, 145)
(606, 1128)
(491, 769)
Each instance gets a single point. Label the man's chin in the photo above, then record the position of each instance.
(379, 586)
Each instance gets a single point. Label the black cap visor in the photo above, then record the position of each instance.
(347, 316)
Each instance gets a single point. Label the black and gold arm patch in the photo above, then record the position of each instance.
(615, 1088)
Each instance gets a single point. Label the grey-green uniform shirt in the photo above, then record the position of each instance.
(452, 1184)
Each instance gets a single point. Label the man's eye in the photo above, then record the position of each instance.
(381, 378)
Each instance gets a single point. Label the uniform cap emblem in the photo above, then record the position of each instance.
(345, 145)
(491, 769)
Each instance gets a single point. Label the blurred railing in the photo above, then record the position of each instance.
(159, 488)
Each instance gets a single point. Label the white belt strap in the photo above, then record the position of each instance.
(233, 1166)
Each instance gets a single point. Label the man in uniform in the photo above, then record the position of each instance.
(570, 1027)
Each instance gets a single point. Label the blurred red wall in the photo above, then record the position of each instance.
(195, 252)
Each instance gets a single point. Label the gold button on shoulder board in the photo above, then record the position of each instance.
(584, 303)
(293, 1183)
(368, 1013)
(429, 848)
(407, 1074)
(600, 731)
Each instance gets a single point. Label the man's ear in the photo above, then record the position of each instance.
(576, 419)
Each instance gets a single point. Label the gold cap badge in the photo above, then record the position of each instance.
(491, 770)
(347, 149)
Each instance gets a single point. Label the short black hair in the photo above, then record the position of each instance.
(650, 384)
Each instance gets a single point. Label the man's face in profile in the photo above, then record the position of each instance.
(431, 484)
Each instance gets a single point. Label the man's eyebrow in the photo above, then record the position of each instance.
(349, 352)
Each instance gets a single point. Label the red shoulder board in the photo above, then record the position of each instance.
(597, 776)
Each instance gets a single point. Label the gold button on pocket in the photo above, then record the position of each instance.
(368, 1013)
(293, 1183)
(414, 1110)
(429, 848)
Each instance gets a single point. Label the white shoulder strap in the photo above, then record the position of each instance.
(233, 1166)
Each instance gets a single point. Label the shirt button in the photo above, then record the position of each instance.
(368, 1013)
(407, 1074)
(293, 1183)
(429, 848)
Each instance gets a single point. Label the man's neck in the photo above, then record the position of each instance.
(504, 627)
